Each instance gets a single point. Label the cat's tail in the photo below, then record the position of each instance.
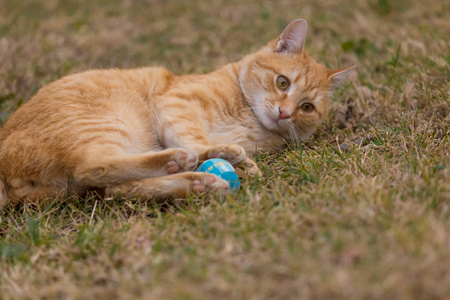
(3, 197)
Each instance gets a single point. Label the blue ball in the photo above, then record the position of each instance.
(223, 169)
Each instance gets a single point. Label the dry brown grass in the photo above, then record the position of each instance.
(370, 223)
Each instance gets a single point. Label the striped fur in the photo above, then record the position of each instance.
(141, 132)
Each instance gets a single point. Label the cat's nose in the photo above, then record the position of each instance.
(284, 114)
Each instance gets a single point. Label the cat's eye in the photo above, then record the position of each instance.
(307, 107)
(282, 82)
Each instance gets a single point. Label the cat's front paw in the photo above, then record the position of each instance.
(182, 160)
(233, 153)
(248, 168)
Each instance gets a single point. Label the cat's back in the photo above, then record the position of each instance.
(88, 92)
(107, 107)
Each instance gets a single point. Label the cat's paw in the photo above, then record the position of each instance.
(233, 153)
(248, 168)
(210, 183)
(182, 160)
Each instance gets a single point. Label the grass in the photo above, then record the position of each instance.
(372, 222)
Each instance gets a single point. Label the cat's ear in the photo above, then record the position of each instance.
(292, 39)
(337, 76)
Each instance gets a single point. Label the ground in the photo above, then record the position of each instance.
(369, 221)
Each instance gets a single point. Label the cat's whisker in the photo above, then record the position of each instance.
(294, 133)
(291, 136)
(296, 137)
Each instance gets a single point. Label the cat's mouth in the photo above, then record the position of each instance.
(272, 122)
(269, 119)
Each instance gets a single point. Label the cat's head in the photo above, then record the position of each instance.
(286, 89)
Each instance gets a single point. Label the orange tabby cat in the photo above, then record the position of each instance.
(141, 132)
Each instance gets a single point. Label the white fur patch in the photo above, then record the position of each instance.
(264, 115)
(318, 100)
(292, 89)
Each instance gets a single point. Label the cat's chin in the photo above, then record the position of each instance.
(274, 125)
(268, 122)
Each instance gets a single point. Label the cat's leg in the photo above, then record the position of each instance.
(31, 191)
(235, 155)
(176, 185)
(98, 169)
(248, 168)
(127, 174)
(182, 125)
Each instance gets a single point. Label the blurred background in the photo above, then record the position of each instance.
(369, 223)
(41, 41)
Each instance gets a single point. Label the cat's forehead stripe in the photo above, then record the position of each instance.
(296, 75)
(265, 66)
(303, 81)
